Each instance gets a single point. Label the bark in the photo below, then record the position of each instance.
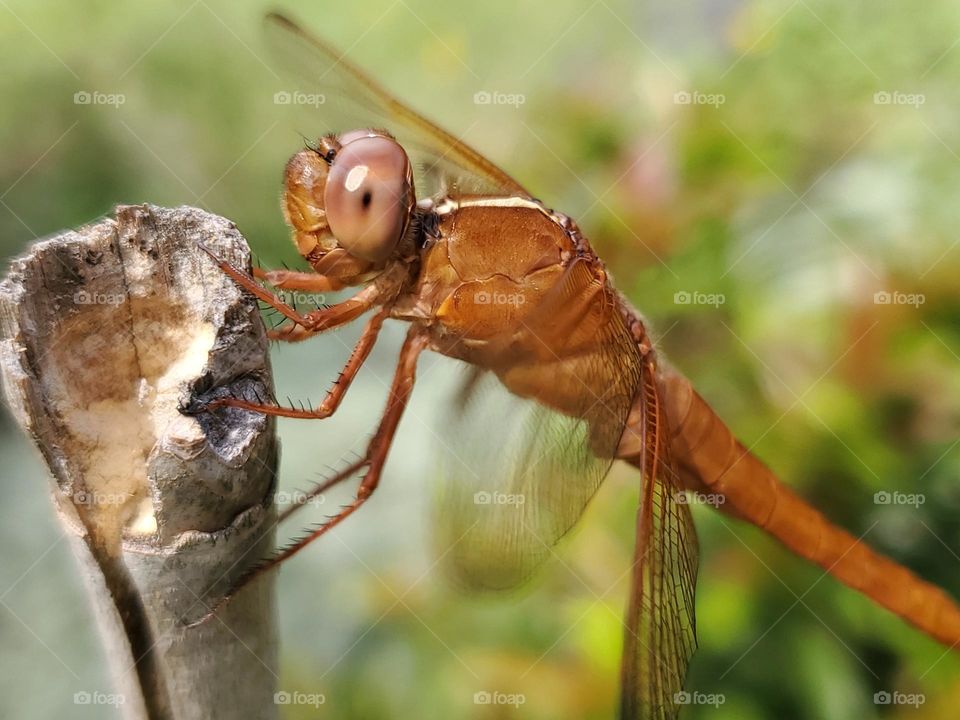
(106, 332)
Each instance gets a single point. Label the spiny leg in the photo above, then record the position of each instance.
(374, 459)
(318, 320)
(253, 287)
(333, 270)
(335, 395)
(323, 487)
(290, 334)
(294, 280)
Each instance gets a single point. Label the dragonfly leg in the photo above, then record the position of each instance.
(321, 488)
(331, 402)
(318, 320)
(289, 333)
(374, 459)
(295, 280)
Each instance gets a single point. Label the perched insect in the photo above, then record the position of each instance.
(486, 274)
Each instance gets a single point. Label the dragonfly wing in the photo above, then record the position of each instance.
(507, 495)
(529, 442)
(660, 628)
(346, 98)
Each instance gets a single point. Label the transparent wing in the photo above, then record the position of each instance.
(660, 628)
(527, 446)
(530, 441)
(347, 99)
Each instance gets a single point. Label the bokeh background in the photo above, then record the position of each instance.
(754, 173)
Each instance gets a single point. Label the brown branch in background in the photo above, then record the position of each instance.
(106, 332)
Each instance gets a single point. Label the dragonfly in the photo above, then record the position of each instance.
(564, 378)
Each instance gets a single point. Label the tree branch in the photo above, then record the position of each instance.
(105, 333)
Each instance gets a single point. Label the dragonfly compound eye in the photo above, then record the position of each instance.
(369, 197)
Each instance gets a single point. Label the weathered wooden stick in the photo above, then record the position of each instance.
(105, 333)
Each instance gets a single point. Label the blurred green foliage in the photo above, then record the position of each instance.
(814, 166)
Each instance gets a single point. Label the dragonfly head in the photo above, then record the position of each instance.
(350, 194)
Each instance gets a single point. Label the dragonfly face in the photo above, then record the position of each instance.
(351, 196)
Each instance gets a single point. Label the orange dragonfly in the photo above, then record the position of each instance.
(485, 273)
